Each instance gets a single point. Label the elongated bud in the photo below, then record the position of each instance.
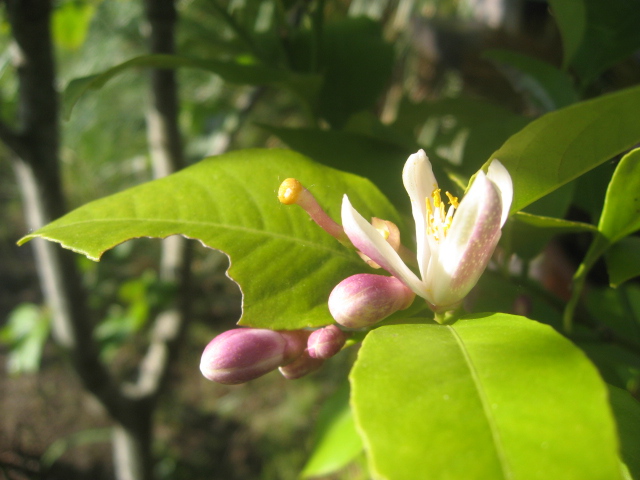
(292, 192)
(243, 354)
(326, 342)
(301, 366)
(364, 299)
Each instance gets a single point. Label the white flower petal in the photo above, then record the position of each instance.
(499, 175)
(470, 242)
(369, 241)
(420, 182)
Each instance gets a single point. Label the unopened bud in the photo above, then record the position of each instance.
(326, 342)
(301, 366)
(296, 344)
(291, 192)
(365, 299)
(243, 354)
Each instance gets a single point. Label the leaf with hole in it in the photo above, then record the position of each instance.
(284, 263)
(488, 397)
(305, 86)
(562, 145)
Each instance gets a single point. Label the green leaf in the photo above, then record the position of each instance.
(623, 261)
(26, 333)
(612, 308)
(284, 263)
(70, 23)
(489, 397)
(306, 86)
(571, 17)
(621, 212)
(605, 32)
(562, 145)
(627, 412)
(356, 64)
(336, 440)
(557, 225)
(547, 86)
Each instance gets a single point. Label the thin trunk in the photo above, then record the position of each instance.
(36, 163)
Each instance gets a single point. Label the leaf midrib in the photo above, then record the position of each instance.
(50, 231)
(495, 433)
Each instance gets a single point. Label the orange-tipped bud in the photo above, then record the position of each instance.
(292, 192)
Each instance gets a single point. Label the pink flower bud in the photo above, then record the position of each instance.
(301, 366)
(364, 299)
(243, 354)
(326, 342)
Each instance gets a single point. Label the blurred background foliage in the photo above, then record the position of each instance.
(364, 83)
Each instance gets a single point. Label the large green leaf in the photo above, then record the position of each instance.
(562, 145)
(284, 263)
(306, 86)
(489, 397)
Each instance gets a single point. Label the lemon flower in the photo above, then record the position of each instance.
(454, 243)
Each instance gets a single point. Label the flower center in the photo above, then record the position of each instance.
(438, 217)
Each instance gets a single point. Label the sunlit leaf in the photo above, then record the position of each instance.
(70, 23)
(284, 263)
(621, 212)
(562, 145)
(489, 397)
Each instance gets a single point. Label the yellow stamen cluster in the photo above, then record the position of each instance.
(439, 219)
